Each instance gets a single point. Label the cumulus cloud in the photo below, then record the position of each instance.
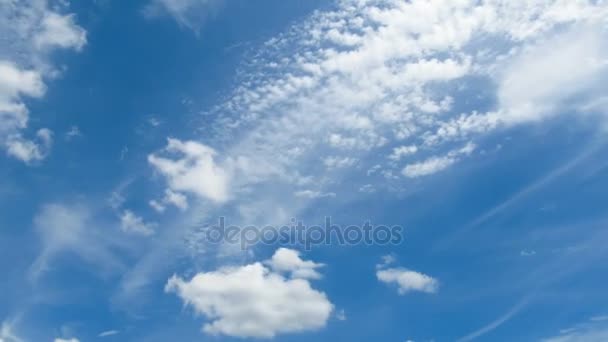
(193, 170)
(27, 150)
(131, 223)
(30, 31)
(255, 301)
(287, 260)
(407, 280)
(59, 31)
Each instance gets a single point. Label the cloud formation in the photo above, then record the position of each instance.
(256, 301)
(191, 14)
(30, 31)
(407, 280)
(194, 169)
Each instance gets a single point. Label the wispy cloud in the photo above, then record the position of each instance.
(496, 323)
(191, 14)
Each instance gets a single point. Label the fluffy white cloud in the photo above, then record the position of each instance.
(407, 280)
(254, 301)
(59, 31)
(565, 69)
(131, 223)
(30, 30)
(194, 170)
(28, 150)
(171, 198)
(287, 260)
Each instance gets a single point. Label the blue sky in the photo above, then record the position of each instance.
(127, 129)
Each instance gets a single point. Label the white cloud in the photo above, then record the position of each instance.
(59, 31)
(591, 331)
(176, 199)
(334, 162)
(131, 223)
(194, 170)
(68, 228)
(313, 194)
(408, 281)
(543, 77)
(109, 333)
(358, 77)
(67, 340)
(157, 206)
(7, 333)
(338, 140)
(30, 30)
(253, 301)
(72, 133)
(386, 82)
(435, 164)
(287, 260)
(29, 151)
(428, 167)
(387, 260)
(527, 253)
(187, 13)
(367, 188)
(15, 82)
(402, 151)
